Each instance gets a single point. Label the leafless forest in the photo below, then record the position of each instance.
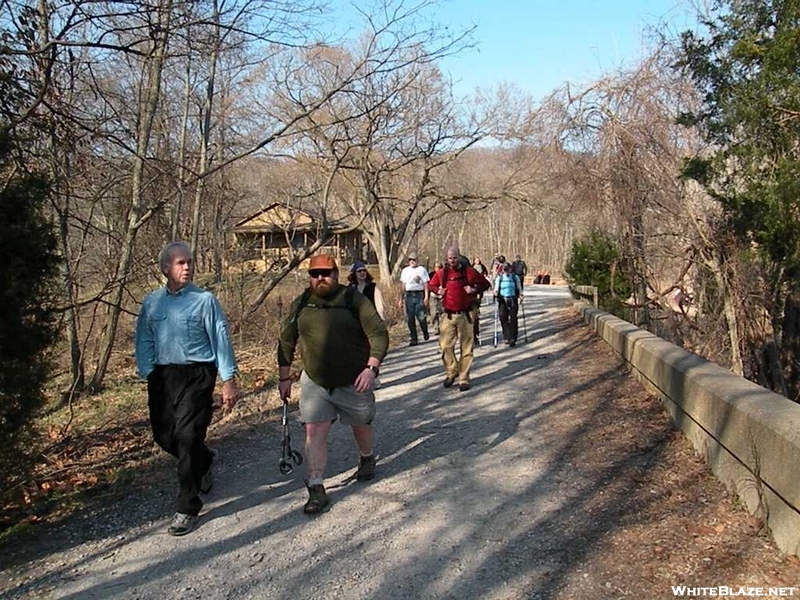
(170, 119)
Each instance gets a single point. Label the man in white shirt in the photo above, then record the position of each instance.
(415, 297)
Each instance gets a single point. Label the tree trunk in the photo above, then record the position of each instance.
(182, 171)
(716, 263)
(642, 311)
(791, 344)
(148, 105)
(75, 353)
(205, 135)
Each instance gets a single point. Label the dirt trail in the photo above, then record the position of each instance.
(555, 476)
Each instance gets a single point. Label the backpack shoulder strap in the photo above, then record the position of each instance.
(349, 303)
(302, 304)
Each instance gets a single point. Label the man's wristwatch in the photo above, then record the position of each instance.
(374, 369)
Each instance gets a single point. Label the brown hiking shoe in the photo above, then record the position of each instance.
(366, 468)
(317, 499)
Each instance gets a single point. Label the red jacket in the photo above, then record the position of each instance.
(453, 281)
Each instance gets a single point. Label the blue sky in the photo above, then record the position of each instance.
(538, 45)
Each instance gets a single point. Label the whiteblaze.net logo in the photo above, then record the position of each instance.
(733, 591)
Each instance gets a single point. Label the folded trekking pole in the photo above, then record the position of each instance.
(286, 445)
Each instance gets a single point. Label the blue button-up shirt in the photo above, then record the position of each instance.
(186, 327)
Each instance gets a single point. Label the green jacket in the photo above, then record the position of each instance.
(334, 341)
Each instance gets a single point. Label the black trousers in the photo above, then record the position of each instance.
(508, 310)
(180, 400)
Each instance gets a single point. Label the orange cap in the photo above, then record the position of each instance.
(322, 261)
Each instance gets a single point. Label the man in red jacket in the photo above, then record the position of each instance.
(458, 284)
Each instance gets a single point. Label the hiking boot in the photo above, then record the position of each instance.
(448, 381)
(425, 335)
(512, 343)
(366, 468)
(182, 524)
(463, 387)
(207, 481)
(317, 499)
(413, 343)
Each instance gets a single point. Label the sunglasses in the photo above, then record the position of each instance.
(361, 270)
(319, 273)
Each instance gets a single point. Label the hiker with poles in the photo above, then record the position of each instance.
(508, 291)
(458, 284)
(182, 343)
(415, 297)
(342, 340)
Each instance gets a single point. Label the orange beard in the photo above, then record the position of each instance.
(324, 287)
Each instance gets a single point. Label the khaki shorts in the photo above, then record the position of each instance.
(319, 404)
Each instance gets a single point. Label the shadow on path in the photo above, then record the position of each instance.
(497, 492)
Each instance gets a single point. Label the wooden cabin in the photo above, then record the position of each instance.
(267, 239)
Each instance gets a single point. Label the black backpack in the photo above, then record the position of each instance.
(463, 262)
(349, 304)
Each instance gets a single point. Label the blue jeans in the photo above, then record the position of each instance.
(415, 311)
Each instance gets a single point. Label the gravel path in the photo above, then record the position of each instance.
(513, 489)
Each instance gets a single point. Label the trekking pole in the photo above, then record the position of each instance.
(524, 325)
(286, 445)
(476, 323)
(495, 321)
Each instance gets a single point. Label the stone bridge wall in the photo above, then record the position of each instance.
(748, 435)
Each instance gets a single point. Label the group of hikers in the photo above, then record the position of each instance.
(422, 293)
(183, 343)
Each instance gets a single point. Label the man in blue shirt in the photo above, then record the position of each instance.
(182, 342)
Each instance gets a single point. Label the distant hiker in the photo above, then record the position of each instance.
(361, 279)
(479, 266)
(458, 284)
(476, 309)
(493, 266)
(498, 266)
(342, 340)
(436, 301)
(519, 268)
(508, 289)
(182, 342)
(415, 297)
(364, 282)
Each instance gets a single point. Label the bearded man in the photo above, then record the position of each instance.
(342, 341)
